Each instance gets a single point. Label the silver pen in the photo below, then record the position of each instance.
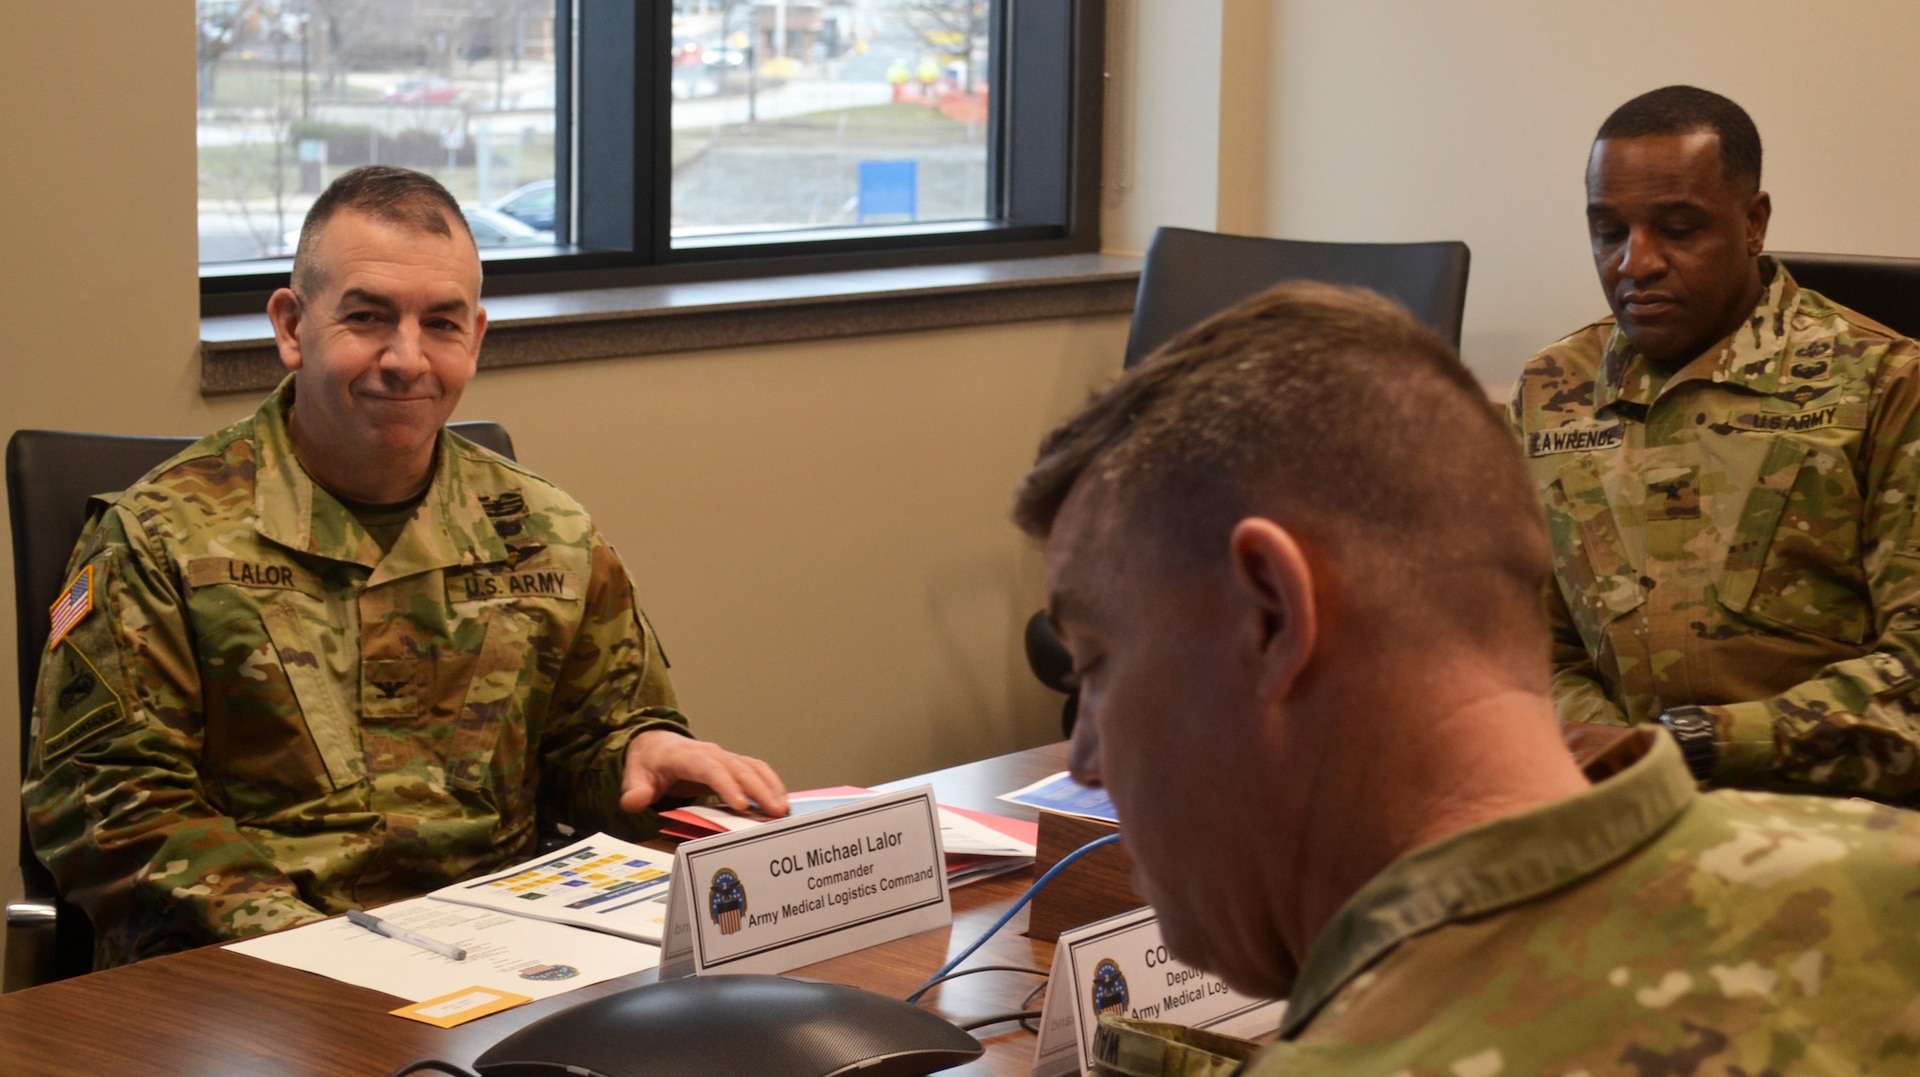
(394, 931)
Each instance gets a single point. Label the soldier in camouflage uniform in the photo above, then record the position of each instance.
(1729, 471)
(1310, 651)
(336, 655)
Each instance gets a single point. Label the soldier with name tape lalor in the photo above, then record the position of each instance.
(334, 654)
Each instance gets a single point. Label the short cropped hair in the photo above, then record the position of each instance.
(396, 195)
(1334, 412)
(1679, 110)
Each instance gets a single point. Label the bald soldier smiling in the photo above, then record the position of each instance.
(336, 655)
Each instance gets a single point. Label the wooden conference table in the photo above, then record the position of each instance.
(210, 1012)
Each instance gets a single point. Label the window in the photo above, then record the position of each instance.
(604, 142)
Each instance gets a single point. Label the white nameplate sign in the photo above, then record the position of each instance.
(1120, 966)
(796, 891)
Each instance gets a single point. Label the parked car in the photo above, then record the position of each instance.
(436, 91)
(531, 205)
(491, 228)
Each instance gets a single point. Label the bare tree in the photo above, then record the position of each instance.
(216, 26)
(365, 33)
(506, 23)
(962, 21)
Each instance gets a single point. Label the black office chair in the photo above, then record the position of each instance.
(50, 476)
(1884, 289)
(1189, 276)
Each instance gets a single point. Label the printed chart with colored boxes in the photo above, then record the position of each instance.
(600, 882)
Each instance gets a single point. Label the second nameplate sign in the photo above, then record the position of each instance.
(1120, 966)
(805, 889)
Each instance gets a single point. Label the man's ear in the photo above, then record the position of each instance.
(284, 311)
(479, 333)
(1759, 212)
(1276, 583)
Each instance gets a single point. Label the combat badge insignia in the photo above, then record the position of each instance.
(727, 901)
(1109, 988)
(507, 513)
(523, 552)
(1800, 394)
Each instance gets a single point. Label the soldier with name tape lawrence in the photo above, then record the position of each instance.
(1729, 466)
(335, 654)
(1313, 675)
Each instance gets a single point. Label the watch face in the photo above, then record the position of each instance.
(1693, 730)
(1688, 723)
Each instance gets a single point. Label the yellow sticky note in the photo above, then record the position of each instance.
(461, 1006)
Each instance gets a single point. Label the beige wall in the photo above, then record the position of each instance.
(1471, 120)
(1377, 120)
(817, 531)
(1162, 150)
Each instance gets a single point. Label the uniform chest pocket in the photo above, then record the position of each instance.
(276, 732)
(490, 738)
(1793, 558)
(499, 703)
(1590, 560)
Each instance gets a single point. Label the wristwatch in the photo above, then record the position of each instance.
(1697, 732)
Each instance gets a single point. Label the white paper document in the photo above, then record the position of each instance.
(506, 953)
(1060, 793)
(961, 836)
(599, 882)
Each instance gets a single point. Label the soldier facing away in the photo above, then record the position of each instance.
(335, 655)
(1729, 466)
(1311, 654)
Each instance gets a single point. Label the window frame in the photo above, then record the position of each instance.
(1044, 166)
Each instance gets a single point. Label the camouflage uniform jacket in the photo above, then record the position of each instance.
(263, 720)
(1739, 534)
(1638, 928)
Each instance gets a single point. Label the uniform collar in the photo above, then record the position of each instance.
(1496, 865)
(1751, 356)
(291, 509)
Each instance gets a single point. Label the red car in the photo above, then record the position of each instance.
(435, 91)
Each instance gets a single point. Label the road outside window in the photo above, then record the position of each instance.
(786, 116)
(791, 116)
(294, 92)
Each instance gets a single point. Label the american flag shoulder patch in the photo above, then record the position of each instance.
(74, 604)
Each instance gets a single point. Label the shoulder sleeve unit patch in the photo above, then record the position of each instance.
(80, 705)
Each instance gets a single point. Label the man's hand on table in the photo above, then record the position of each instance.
(664, 763)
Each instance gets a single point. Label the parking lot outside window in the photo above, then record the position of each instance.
(597, 143)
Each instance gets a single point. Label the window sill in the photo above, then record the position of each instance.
(237, 352)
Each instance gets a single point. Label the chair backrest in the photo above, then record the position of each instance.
(1884, 289)
(1190, 276)
(50, 476)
